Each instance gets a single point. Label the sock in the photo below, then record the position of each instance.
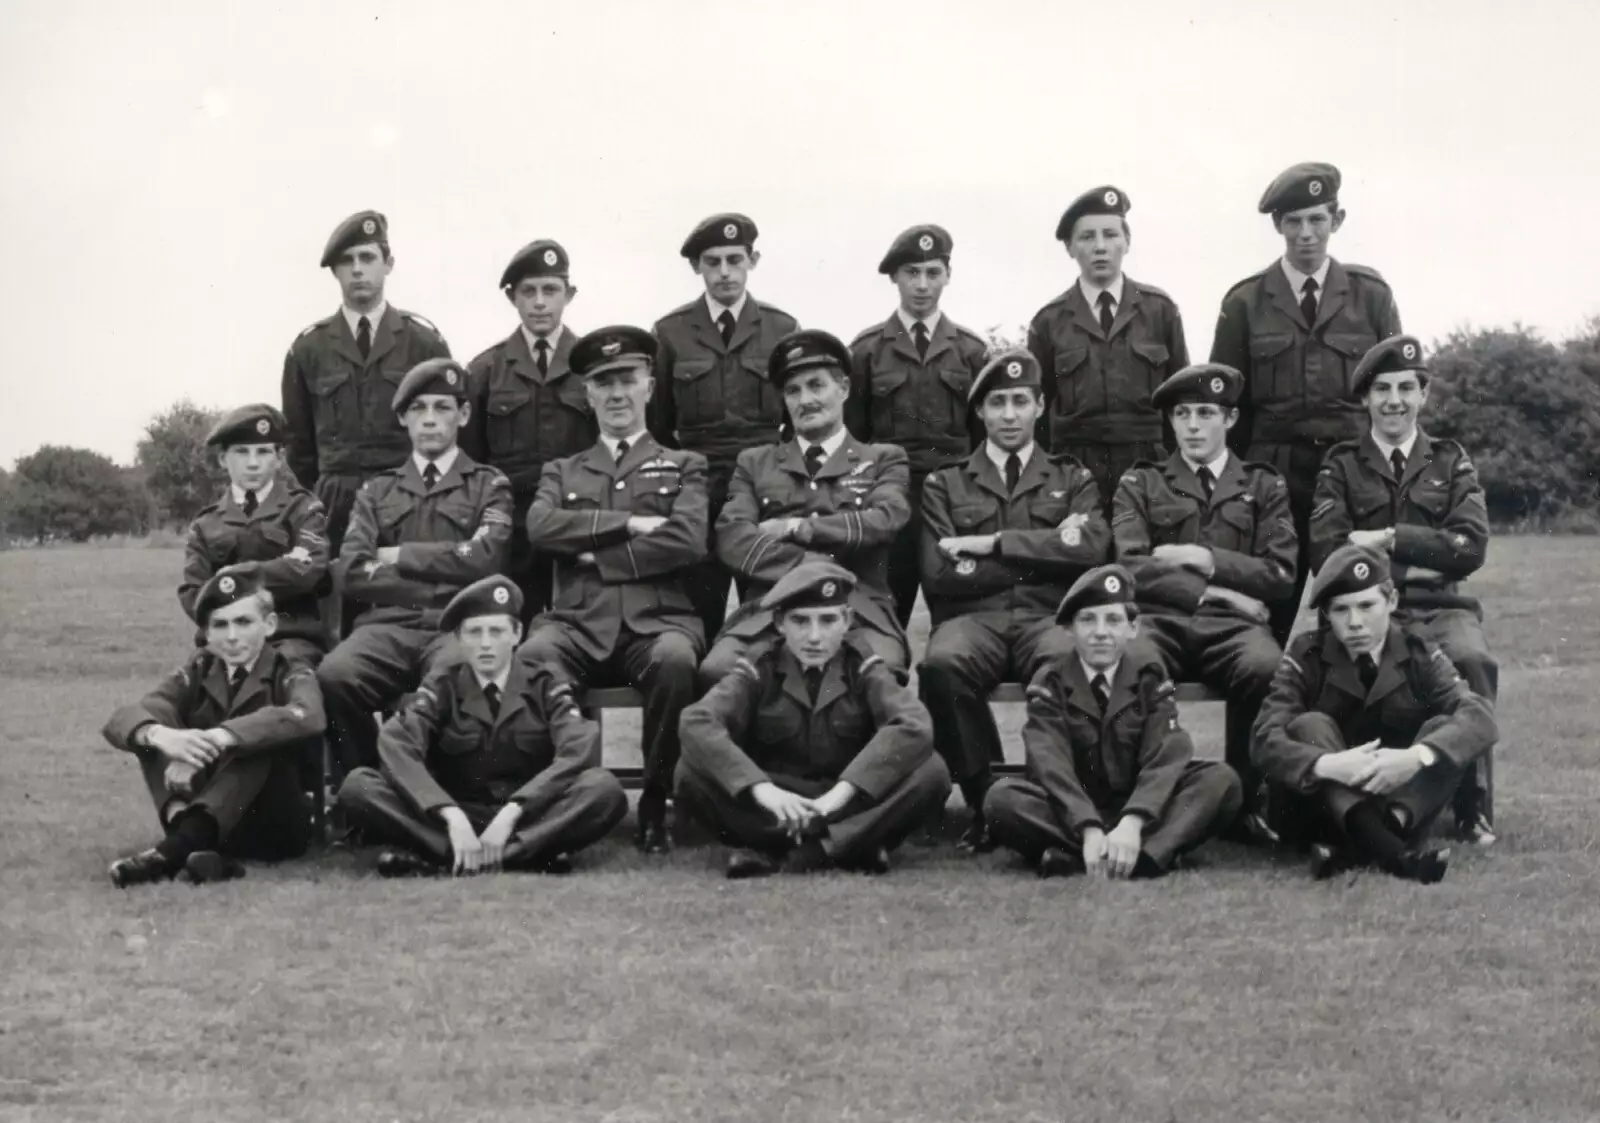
(193, 830)
(1373, 834)
(973, 791)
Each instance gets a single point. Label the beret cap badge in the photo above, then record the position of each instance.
(550, 257)
(829, 588)
(369, 227)
(925, 242)
(227, 585)
(1315, 187)
(731, 230)
(1111, 198)
(501, 596)
(1361, 570)
(1113, 584)
(263, 426)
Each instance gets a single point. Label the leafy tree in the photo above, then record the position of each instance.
(72, 493)
(180, 472)
(1001, 337)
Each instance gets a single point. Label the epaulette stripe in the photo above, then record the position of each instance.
(594, 528)
(1289, 659)
(870, 660)
(633, 562)
(744, 666)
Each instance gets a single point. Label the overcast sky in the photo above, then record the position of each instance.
(171, 170)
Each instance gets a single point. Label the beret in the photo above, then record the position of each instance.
(1105, 584)
(1398, 352)
(920, 243)
(1349, 569)
(1005, 371)
(431, 376)
(1100, 200)
(1304, 185)
(254, 424)
(816, 584)
(1202, 382)
(728, 229)
(357, 230)
(229, 584)
(542, 258)
(612, 348)
(803, 350)
(487, 596)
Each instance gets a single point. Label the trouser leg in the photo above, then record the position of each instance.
(1021, 819)
(367, 672)
(706, 583)
(893, 650)
(583, 815)
(719, 661)
(966, 657)
(1459, 634)
(865, 827)
(737, 821)
(1205, 802)
(1238, 658)
(370, 802)
(277, 824)
(663, 668)
(905, 558)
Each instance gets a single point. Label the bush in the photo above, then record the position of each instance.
(74, 494)
(180, 472)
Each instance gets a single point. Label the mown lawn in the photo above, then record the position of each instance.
(952, 990)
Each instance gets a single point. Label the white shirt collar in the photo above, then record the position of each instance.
(997, 455)
(633, 440)
(829, 446)
(907, 320)
(1110, 672)
(444, 463)
(374, 317)
(554, 339)
(1091, 292)
(1405, 446)
(716, 308)
(249, 668)
(1297, 279)
(499, 680)
(1216, 465)
(261, 493)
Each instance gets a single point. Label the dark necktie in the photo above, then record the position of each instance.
(430, 475)
(622, 450)
(1013, 471)
(813, 459)
(235, 679)
(541, 356)
(814, 682)
(364, 336)
(1367, 668)
(919, 333)
(491, 695)
(1101, 691)
(1105, 312)
(725, 323)
(1207, 480)
(1308, 301)
(1397, 461)
(250, 503)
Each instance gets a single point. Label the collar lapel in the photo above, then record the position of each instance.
(339, 335)
(1231, 483)
(411, 479)
(1421, 456)
(1391, 675)
(748, 323)
(1124, 689)
(520, 358)
(943, 339)
(1283, 299)
(1375, 458)
(794, 681)
(1086, 317)
(1033, 475)
(1126, 309)
(640, 451)
(706, 328)
(473, 703)
(455, 477)
(833, 687)
(598, 459)
(900, 341)
(559, 365)
(254, 683)
(1342, 673)
(1080, 696)
(1183, 480)
(843, 462)
(216, 684)
(515, 696)
(385, 336)
(1334, 296)
(986, 475)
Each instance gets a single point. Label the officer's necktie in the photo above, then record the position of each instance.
(235, 679)
(250, 503)
(919, 333)
(364, 336)
(622, 450)
(1207, 480)
(1308, 301)
(491, 695)
(725, 323)
(1013, 471)
(813, 459)
(1102, 691)
(541, 356)
(1367, 668)
(430, 475)
(814, 682)
(1105, 312)
(1397, 461)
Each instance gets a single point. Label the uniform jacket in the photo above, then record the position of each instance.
(918, 404)
(287, 534)
(277, 703)
(1297, 376)
(338, 406)
(448, 538)
(1036, 558)
(1246, 526)
(760, 723)
(1097, 387)
(1096, 766)
(853, 510)
(583, 506)
(521, 419)
(711, 398)
(447, 748)
(1437, 510)
(1415, 683)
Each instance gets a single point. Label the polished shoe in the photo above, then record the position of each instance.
(140, 869)
(745, 864)
(650, 837)
(1427, 867)
(876, 863)
(1250, 829)
(976, 839)
(556, 865)
(1476, 831)
(208, 865)
(1326, 861)
(808, 857)
(406, 863)
(1055, 862)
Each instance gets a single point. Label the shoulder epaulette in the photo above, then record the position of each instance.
(765, 307)
(866, 333)
(1251, 279)
(1152, 290)
(423, 320)
(1261, 466)
(968, 333)
(1364, 271)
(682, 309)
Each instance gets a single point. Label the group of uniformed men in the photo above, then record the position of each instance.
(1093, 515)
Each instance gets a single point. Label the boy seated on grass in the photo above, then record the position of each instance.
(217, 740)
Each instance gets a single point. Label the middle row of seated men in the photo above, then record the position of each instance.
(1006, 532)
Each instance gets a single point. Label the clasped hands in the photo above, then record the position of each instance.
(1113, 854)
(796, 814)
(189, 752)
(982, 545)
(1369, 768)
(479, 853)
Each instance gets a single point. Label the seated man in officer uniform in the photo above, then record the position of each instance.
(624, 521)
(1417, 497)
(812, 752)
(216, 741)
(491, 766)
(1211, 543)
(1112, 785)
(1005, 533)
(418, 534)
(822, 496)
(1368, 727)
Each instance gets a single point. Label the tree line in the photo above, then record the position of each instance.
(1526, 409)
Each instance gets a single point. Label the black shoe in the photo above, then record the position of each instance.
(1427, 867)
(808, 857)
(976, 839)
(1475, 831)
(405, 863)
(208, 865)
(141, 869)
(931, 832)
(556, 865)
(651, 835)
(1250, 829)
(1055, 862)
(875, 863)
(745, 864)
(1326, 862)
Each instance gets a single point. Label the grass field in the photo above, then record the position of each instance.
(959, 990)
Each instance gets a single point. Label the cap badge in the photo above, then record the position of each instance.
(967, 567)
(610, 349)
(369, 227)
(731, 230)
(925, 243)
(464, 550)
(1014, 369)
(227, 585)
(1409, 350)
(1361, 570)
(449, 378)
(1113, 584)
(550, 257)
(1315, 187)
(1217, 385)
(796, 353)
(263, 426)
(1111, 198)
(501, 596)
(829, 588)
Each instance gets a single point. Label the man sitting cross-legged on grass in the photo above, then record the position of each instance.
(1368, 727)
(1113, 788)
(812, 752)
(216, 740)
(491, 766)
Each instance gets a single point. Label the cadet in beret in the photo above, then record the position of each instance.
(1112, 785)
(1368, 728)
(625, 521)
(419, 534)
(218, 739)
(1004, 533)
(1104, 346)
(528, 405)
(1211, 541)
(822, 495)
(341, 372)
(911, 377)
(491, 766)
(715, 398)
(1418, 499)
(1296, 330)
(812, 753)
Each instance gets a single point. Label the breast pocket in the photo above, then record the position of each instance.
(459, 514)
(891, 414)
(975, 518)
(1349, 347)
(696, 392)
(334, 408)
(1430, 498)
(1150, 360)
(778, 499)
(379, 403)
(777, 727)
(761, 401)
(506, 411)
(1273, 376)
(392, 512)
(586, 496)
(954, 384)
(1048, 508)
(1071, 370)
(1173, 523)
(455, 741)
(654, 494)
(849, 724)
(1233, 527)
